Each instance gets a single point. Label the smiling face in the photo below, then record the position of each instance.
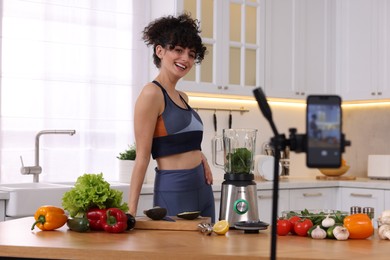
(177, 61)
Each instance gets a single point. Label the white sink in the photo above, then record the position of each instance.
(26, 198)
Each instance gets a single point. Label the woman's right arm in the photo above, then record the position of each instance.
(149, 105)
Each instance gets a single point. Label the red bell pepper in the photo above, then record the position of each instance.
(114, 221)
(94, 217)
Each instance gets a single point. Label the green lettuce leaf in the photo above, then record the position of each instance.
(91, 191)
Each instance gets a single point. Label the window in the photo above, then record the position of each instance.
(68, 65)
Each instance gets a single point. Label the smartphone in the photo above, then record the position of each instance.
(323, 131)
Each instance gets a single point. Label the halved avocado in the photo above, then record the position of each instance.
(156, 213)
(189, 215)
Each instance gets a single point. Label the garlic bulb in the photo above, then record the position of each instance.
(340, 233)
(384, 232)
(385, 217)
(318, 233)
(328, 222)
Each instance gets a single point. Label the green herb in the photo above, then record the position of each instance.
(240, 160)
(91, 191)
(128, 154)
(317, 218)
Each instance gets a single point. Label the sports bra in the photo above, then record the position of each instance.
(178, 130)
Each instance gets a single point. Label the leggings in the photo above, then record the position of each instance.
(183, 191)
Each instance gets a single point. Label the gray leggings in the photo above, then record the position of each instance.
(184, 190)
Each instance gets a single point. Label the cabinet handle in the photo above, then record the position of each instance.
(265, 197)
(225, 87)
(302, 93)
(319, 194)
(361, 195)
(219, 87)
(297, 93)
(373, 93)
(379, 93)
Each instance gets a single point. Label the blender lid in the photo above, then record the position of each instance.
(251, 225)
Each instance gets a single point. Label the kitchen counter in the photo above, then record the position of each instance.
(17, 240)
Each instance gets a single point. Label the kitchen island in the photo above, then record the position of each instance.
(18, 240)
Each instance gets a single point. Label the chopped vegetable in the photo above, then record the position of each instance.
(91, 191)
(241, 160)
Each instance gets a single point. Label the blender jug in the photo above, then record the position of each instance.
(238, 150)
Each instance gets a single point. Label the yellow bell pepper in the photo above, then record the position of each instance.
(49, 218)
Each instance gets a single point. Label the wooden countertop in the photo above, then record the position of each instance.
(17, 240)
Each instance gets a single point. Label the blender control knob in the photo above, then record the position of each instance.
(241, 206)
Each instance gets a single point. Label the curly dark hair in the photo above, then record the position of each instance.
(170, 31)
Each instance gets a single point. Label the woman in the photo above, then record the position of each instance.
(167, 127)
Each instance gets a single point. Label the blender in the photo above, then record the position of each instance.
(238, 191)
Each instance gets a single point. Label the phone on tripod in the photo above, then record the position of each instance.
(323, 131)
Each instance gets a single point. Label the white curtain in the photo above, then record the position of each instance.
(69, 64)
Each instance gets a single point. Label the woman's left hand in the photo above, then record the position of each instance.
(207, 171)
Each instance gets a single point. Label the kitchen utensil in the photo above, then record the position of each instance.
(206, 228)
(230, 120)
(238, 191)
(251, 226)
(264, 166)
(335, 172)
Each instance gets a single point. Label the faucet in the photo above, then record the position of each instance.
(36, 169)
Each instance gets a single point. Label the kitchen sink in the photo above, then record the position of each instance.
(26, 198)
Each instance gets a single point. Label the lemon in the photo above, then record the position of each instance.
(221, 227)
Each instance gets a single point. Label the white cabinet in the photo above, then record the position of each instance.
(233, 32)
(264, 203)
(387, 201)
(145, 202)
(363, 198)
(300, 48)
(364, 31)
(2, 210)
(320, 198)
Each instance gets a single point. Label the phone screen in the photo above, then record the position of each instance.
(323, 130)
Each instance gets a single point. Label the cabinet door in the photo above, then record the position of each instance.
(145, 203)
(387, 201)
(321, 198)
(233, 32)
(265, 204)
(364, 45)
(363, 198)
(2, 210)
(300, 56)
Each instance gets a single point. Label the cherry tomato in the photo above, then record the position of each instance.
(302, 226)
(283, 227)
(359, 226)
(292, 220)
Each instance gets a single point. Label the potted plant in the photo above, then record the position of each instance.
(126, 163)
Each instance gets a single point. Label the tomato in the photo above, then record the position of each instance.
(301, 227)
(359, 226)
(292, 220)
(283, 227)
